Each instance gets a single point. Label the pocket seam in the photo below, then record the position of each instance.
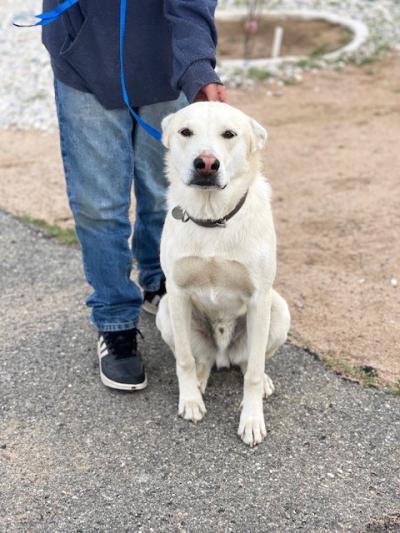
(71, 47)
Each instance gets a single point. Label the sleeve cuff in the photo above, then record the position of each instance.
(199, 73)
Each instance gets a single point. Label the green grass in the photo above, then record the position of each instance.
(319, 52)
(258, 74)
(64, 235)
(364, 375)
(394, 389)
(290, 81)
(365, 378)
(307, 63)
(312, 60)
(378, 55)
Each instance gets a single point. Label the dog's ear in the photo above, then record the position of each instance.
(166, 129)
(258, 136)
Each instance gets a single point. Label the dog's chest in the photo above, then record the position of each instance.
(215, 284)
(219, 289)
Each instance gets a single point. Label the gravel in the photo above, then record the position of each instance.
(26, 94)
(75, 456)
(26, 91)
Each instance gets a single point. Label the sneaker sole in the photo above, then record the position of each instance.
(116, 384)
(149, 308)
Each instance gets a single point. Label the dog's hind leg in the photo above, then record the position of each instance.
(163, 322)
(279, 325)
(203, 369)
(268, 383)
(278, 331)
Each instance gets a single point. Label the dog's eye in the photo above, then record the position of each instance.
(229, 134)
(186, 132)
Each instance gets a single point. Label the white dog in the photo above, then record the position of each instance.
(218, 253)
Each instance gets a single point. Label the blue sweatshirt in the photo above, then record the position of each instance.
(169, 46)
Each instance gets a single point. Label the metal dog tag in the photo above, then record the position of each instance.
(180, 214)
(177, 213)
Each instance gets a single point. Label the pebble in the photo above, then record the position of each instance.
(26, 82)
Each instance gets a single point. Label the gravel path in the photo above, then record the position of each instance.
(75, 456)
(26, 91)
(26, 98)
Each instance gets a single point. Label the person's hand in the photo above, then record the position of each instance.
(213, 92)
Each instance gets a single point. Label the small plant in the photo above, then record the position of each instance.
(258, 74)
(362, 61)
(395, 389)
(64, 235)
(365, 375)
(319, 52)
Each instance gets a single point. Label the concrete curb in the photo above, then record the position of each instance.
(359, 30)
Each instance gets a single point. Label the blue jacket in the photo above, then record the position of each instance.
(169, 46)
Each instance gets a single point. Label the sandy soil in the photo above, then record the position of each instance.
(333, 161)
(301, 38)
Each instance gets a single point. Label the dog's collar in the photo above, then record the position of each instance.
(180, 214)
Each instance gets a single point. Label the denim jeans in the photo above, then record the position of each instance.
(104, 152)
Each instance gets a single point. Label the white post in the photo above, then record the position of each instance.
(277, 43)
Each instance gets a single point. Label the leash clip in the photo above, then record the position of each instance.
(221, 223)
(185, 216)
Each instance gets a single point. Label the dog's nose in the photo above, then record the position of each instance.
(206, 165)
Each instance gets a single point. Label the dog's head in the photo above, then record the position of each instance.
(210, 144)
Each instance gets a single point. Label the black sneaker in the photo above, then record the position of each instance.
(121, 365)
(151, 299)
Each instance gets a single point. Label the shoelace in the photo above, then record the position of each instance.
(122, 343)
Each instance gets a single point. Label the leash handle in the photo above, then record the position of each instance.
(28, 21)
(44, 18)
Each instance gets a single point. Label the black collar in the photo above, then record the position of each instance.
(181, 214)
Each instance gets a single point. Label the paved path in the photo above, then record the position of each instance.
(75, 456)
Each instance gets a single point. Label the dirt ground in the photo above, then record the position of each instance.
(300, 38)
(333, 161)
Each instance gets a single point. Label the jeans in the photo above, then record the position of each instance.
(103, 152)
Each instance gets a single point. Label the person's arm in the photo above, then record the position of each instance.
(194, 41)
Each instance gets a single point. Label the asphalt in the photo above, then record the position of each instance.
(75, 456)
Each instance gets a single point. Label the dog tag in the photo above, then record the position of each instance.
(177, 213)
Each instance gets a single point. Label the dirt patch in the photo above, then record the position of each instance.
(333, 160)
(31, 177)
(300, 38)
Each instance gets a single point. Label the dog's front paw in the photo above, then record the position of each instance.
(252, 428)
(192, 408)
(268, 386)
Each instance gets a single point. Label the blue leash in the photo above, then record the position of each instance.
(122, 26)
(51, 16)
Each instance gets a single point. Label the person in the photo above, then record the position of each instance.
(169, 50)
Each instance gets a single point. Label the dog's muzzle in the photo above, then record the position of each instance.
(205, 171)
